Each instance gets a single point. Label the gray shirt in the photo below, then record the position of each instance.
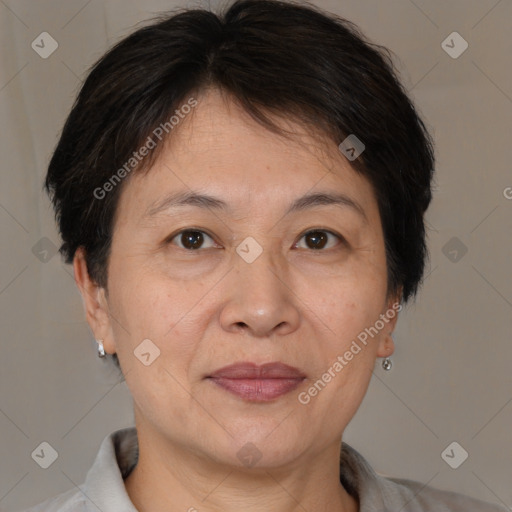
(104, 490)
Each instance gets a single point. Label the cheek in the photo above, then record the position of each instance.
(154, 309)
(349, 349)
(169, 313)
(350, 306)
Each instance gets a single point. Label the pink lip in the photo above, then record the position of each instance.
(258, 383)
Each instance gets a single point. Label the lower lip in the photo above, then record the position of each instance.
(257, 390)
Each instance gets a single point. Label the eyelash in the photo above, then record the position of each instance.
(197, 230)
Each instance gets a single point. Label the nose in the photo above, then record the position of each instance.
(261, 301)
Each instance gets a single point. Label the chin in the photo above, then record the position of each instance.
(260, 444)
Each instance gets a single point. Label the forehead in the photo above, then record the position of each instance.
(218, 148)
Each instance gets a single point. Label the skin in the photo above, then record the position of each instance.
(207, 308)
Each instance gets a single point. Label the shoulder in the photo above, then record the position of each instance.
(103, 488)
(377, 492)
(415, 496)
(69, 501)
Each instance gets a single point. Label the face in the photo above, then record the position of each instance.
(254, 274)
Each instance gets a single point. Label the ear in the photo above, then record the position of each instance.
(95, 303)
(390, 317)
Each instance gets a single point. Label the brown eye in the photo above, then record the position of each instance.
(191, 239)
(319, 239)
(316, 239)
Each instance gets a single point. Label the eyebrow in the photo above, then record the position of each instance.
(205, 201)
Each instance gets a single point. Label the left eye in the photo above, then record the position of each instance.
(319, 239)
(191, 239)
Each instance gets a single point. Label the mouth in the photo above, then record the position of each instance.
(258, 383)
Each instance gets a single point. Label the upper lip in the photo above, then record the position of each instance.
(248, 370)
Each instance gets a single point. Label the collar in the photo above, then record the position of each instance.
(119, 451)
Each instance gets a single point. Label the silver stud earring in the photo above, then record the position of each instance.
(101, 350)
(387, 364)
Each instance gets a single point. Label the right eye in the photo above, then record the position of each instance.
(191, 239)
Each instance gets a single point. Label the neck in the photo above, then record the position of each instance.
(170, 478)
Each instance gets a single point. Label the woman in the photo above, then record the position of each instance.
(242, 199)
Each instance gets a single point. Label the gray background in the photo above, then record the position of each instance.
(451, 378)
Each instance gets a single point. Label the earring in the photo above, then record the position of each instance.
(387, 364)
(101, 350)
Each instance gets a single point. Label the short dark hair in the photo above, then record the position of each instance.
(272, 57)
